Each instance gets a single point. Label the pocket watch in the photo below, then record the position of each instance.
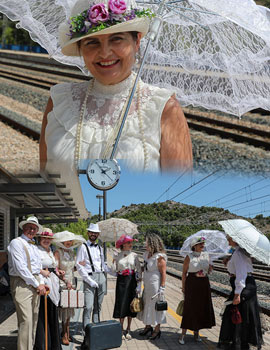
(103, 174)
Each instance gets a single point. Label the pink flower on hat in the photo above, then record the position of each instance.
(98, 13)
(124, 239)
(47, 232)
(117, 6)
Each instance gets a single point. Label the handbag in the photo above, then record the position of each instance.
(136, 304)
(235, 315)
(71, 298)
(161, 305)
(180, 308)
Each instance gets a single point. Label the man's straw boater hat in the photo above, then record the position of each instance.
(31, 220)
(89, 18)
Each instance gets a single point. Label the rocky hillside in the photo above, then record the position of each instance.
(175, 221)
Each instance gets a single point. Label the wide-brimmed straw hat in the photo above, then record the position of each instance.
(31, 220)
(93, 228)
(197, 240)
(90, 17)
(60, 237)
(124, 239)
(46, 232)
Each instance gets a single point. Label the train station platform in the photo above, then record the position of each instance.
(169, 331)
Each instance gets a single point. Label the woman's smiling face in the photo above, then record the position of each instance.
(110, 57)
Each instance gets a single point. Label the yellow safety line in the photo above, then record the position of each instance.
(179, 319)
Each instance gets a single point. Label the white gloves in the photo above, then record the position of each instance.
(93, 284)
(161, 291)
(139, 288)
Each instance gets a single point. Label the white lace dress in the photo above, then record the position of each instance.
(67, 263)
(103, 109)
(151, 280)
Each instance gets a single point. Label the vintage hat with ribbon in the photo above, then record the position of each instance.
(60, 237)
(124, 239)
(89, 18)
(46, 232)
(197, 240)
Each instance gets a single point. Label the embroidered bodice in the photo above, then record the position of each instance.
(198, 261)
(47, 258)
(102, 111)
(67, 263)
(127, 260)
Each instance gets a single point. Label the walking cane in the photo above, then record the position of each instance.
(46, 319)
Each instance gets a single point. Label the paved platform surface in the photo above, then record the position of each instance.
(169, 336)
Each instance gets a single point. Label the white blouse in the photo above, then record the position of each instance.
(239, 265)
(47, 258)
(198, 262)
(103, 109)
(127, 260)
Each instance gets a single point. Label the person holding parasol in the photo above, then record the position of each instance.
(82, 119)
(247, 241)
(198, 310)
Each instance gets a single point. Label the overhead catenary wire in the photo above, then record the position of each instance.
(250, 200)
(245, 194)
(179, 177)
(204, 186)
(194, 184)
(231, 193)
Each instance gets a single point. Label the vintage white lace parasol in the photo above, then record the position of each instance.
(112, 229)
(214, 54)
(247, 236)
(216, 244)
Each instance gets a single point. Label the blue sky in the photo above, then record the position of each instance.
(242, 195)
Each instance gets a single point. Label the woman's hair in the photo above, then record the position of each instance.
(155, 243)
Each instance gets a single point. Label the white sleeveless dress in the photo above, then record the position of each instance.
(151, 280)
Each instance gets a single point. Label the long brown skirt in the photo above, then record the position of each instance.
(198, 308)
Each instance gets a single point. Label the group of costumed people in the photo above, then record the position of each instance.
(237, 333)
(51, 270)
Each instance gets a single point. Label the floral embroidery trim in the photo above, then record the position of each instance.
(98, 17)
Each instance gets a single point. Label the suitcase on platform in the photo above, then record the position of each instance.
(103, 335)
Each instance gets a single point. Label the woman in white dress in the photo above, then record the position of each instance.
(128, 269)
(65, 257)
(81, 119)
(154, 276)
(49, 266)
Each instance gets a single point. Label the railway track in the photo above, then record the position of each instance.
(28, 72)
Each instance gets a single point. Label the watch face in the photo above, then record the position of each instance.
(103, 174)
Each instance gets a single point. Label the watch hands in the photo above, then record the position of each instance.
(104, 170)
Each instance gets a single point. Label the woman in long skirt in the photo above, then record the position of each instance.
(49, 265)
(243, 296)
(198, 310)
(128, 273)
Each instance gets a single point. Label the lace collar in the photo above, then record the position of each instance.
(112, 90)
(196, 254)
